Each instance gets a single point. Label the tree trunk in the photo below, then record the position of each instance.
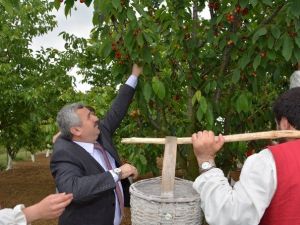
(48, 153)
(32, 157)
(9, 162)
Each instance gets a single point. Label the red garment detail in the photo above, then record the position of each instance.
(284, 208)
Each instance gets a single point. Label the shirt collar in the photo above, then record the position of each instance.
(89, 147)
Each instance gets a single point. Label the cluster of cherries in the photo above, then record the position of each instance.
(118, 54)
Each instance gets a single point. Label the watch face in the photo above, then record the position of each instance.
(118, 170)
(206, 165)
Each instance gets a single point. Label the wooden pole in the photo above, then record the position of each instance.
(169, 167)
(228, 138)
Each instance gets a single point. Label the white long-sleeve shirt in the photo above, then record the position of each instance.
(246, 202)
(13, 216)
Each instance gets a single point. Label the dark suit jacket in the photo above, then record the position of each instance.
(76, 171)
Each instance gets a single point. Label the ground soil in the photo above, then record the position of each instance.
(28, 183)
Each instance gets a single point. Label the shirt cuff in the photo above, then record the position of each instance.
(132, 81)
(115, 176)
(19, 216)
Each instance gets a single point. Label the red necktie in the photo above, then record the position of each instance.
(108, 165)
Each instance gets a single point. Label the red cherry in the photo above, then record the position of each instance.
(230, 42)
(114, 46)
(216, 6)
(263, 54)
(230, 18)
(245, 11)
(118, 55)
(250, 152)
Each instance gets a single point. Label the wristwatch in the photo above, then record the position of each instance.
(207, 165)
(118, 172)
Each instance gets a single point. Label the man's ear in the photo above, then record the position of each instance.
(76, 131)
(285, 125)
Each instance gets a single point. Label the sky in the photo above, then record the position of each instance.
(78, 23)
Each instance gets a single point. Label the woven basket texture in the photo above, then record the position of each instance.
(149, 208)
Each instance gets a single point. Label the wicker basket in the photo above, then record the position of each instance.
(148, 207)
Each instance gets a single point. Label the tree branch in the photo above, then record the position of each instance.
(272, 16)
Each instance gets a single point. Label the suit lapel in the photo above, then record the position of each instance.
(83, 154)
(108, 147)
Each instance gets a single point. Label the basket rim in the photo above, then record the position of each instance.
(135, 192)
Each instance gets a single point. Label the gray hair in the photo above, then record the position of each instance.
(67, 118)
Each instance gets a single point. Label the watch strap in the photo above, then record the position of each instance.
(203, 166)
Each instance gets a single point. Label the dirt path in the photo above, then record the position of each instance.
(28, 183)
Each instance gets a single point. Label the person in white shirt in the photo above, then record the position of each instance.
(268, 191)
(50, 207)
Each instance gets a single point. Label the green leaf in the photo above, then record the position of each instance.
(297, 54)
(68, 6)
(297, 41)
(253, 2)
(275, 32)
(116, 4)
(242, 103)
(106, 48)
(210, 117)
(10, 6)
(147, 92)
(295, 8)
(143, 159)
(130, 14)
(196, 97)
(243, 3)
(267, 2)
(57, 4)
(139, 9)
(88, 2)
(271, 55)
(236, 76)
(260, 32)
(222, 44)
(287, 48)
(159, 88)
(203, 104)
(140, 40)
(148, 38)
(207, 88)
(219, 19)
(146, 53)
(199, 114)
(234, 38)
(256, 62)
(271, 42)
(128, 40)
(243, 62)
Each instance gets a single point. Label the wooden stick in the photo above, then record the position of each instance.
(169, 167)
(228, 138)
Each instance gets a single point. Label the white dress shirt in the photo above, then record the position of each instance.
(132, 81)
(13, 216)
(245, 202)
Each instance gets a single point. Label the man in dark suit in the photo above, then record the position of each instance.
(86, 163)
